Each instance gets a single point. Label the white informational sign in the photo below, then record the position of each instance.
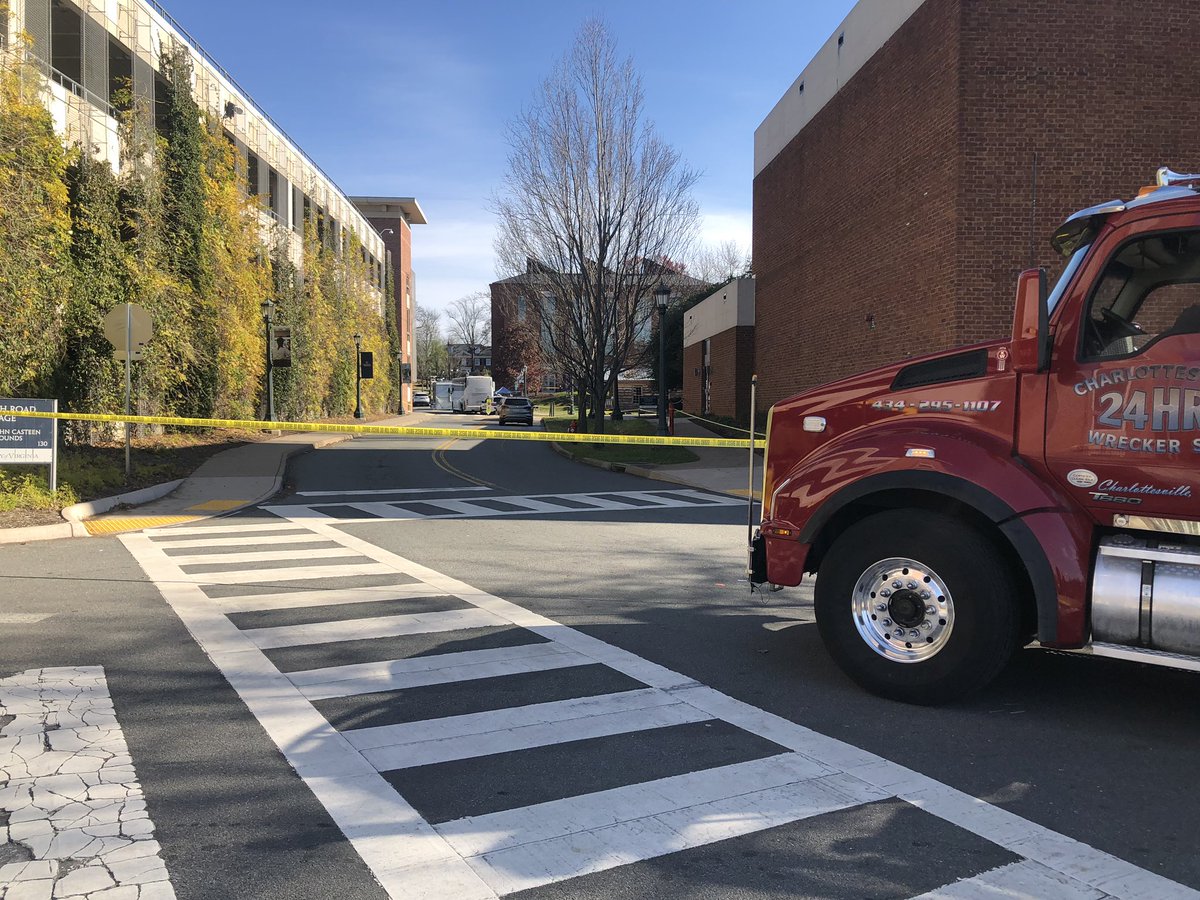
(25, 441)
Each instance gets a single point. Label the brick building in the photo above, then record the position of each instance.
(923, 157)
(393, 218)
(718, 352)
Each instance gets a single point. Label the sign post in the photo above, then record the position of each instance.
(29, 442)
(128, 328)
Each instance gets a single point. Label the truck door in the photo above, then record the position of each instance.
(1123, 407)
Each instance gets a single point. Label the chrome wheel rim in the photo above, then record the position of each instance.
(903, 610)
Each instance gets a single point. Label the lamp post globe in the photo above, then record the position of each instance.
(662, 294)
(268, 308)
(358, 410)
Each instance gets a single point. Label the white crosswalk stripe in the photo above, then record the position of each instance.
(470, 508)
(492, 854)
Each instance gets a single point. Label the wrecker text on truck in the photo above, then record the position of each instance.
(1041, 488)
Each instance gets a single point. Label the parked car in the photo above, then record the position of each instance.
(516, 411)
(420, 398)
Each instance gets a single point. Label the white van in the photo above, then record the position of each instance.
(476, 394)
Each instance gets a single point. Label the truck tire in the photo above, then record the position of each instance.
(917, 606)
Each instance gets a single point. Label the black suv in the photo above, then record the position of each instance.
(516, 411)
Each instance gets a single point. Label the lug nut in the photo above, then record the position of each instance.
(912, 585)
(880, 607)
(887, 623)
(928, 626)
(930, 610)
(925, 595)
(914, 633)
(897, 584)
(885, 593)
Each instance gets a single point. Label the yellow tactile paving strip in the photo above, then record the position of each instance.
(121, 524)
(219, 505)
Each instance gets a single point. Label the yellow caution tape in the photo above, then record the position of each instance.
(562, 437)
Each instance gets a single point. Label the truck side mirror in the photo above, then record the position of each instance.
(1031, 324)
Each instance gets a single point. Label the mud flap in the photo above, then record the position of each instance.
(758, 558)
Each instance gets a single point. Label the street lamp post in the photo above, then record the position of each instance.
(267, 308)
(358, 412)
(662, 293)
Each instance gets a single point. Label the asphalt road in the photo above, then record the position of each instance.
(573, 690)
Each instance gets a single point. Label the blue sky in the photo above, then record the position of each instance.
(412, 99)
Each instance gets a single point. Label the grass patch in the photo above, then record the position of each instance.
(632, 454)
(87, 472)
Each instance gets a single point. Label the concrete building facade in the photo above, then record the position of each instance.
(718, 352)
(92, 50)
(924, 156)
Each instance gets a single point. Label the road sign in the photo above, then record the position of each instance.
(128, 327)
(25, 441)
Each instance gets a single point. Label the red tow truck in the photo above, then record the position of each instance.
(1045, 487)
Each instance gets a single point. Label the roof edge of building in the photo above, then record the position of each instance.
(866, 28)
(377, 206)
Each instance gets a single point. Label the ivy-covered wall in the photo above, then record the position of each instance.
(175, 232)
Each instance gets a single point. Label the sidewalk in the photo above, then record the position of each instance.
(229, 481)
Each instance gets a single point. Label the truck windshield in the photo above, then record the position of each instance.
(1065, 279)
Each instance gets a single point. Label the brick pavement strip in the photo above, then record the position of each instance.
(73, 820)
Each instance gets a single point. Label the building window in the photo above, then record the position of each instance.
(252, 174)
(120, 75)
(272, 189)
(66, 40)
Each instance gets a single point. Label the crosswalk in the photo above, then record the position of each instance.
(351, 506)
(405, 698)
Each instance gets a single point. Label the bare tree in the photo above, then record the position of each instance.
(594, 206)
(431, 343)
(471, 318)
(719, 263)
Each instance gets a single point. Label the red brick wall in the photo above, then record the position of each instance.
(731, 356)
(907, 200)
(1100, 97)
(856, 218)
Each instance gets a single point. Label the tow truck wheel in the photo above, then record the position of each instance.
(917, 606)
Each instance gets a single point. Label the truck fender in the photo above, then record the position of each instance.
(1051, 540)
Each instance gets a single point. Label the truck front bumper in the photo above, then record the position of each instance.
(779, 560)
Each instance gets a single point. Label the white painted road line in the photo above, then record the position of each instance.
(219, 529)
(296, 573)
(579, 853)
(477, 835)
(341, 597)
(505, 719)
(444, 668)
(250, 556)
(427, 753)
(411, 858)
(365, 629)
(394, 510)
(379, 492)
(1019, 880)
(257, 540)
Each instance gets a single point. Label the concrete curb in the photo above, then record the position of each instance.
(324, 440)
(81, 511)
(41, 533)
